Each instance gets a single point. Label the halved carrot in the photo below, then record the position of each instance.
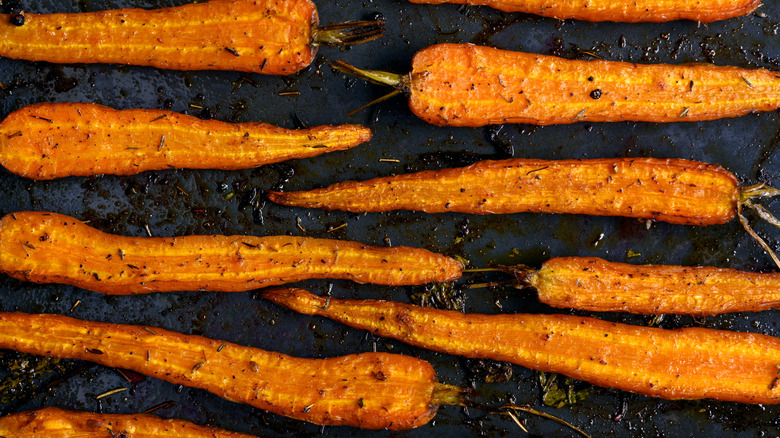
(53, 248)
(691, 363)
(260, 36)
(369, 390)
(59, 423)
(617, 10)
(670, 190)
(589, 283)
(53, 140)
(468, 85)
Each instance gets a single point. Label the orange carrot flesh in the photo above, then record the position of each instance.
(692, 363)
(467, 85)
(370, 390)
(48, 141)
(59, 423)
(669, 190)
(53, 248)
(594, 284)
(260, 36)
(656, 11)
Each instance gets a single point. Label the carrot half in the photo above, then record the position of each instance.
(589, 283)
(369, 390)
(691, 363)
(261, 36)
(53, 248)
(468, 85)
(59, 423)
(670, 190)
(617, 10)
(53, 140)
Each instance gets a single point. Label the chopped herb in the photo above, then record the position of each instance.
(110, 393)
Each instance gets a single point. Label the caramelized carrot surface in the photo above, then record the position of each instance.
(691, 363)
(669, 190)
(594, 284)
(51, 140)
(620, 10)
(370, 390)
(468, 85)
(53, 248)
(59, 423)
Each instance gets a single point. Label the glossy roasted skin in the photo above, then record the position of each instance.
(53, 140)
(669, 190)
(691, 363)
(616, 10)
(58, 423)
(54, 248)
(468, 85)
(370, 390)
(594, 284)
(259, 36)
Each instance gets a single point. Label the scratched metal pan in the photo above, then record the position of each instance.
(203, 202)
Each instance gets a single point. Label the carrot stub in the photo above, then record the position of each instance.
(370, 390)
(589, 283)
(59, 423)
(54, 248)
(691, 363)
(617, 10)
(261, 36)
(51, 140)
(468, 85)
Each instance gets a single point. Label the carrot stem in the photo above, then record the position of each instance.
(348, 33)
(380, 77)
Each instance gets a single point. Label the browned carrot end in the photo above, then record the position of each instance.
(598, 285)
(52, 140)
(59, 423)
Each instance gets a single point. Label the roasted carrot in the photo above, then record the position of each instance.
(691, 363)
(369, 390)
(468, 85)
(670, 190)
(277, 37)
(623, 11)
(59, 423)
(47, 141)
(589, 283)
(53, 248)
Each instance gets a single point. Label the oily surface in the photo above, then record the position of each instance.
(56, 140)
(391, 391)
(204, 202)
(689, 363)
(468, 85)
(594, 284)
(59, 423)
(675, 191)
(50, 247)
(262, 36)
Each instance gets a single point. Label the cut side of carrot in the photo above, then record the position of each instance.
(51, 140)
(691, 363)
(656, 11)
(370, 390)
(59, 423)
(53, 248)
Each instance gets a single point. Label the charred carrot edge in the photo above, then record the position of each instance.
(53, 248)
(369, 390)
(622, 11)
(589, 283)
(468, 85)
(259, 36)
(691, 363)
(59, 423)
(52, 140)
(670, 190)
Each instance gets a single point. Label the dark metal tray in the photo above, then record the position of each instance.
(203, 202)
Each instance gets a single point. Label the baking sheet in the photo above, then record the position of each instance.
(203, 202)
